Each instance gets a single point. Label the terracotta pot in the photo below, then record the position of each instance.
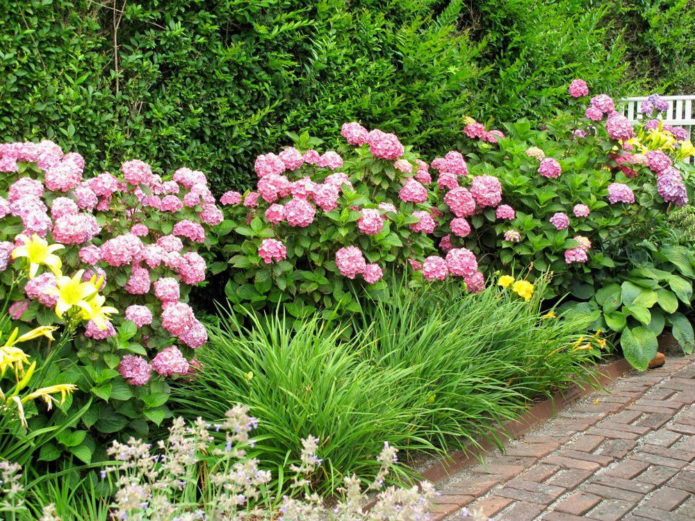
(658, 361)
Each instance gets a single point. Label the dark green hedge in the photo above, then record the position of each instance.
(211, 84)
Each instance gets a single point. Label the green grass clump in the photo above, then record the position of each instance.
(425, 371)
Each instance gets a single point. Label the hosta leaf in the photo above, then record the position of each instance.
(682, 330)
(639, 346)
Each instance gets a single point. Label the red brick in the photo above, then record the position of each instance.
(610, 433)
(585, 443)
(685, 429)
(562, 516)
(627, 469)
(665, 404)
(491, 505)
(578, 503)
(674, 453)
(647, 408)
(627, 416)
(443, 510)
(609, 423)
(539, 472)
(654, 419)
(572, 463)
(503, 472)
(660, 515)
(569, 478)
(475, 488)
(584, 456)
(616, 448)
(667, 498)
(662, 438)
(660, 393)
(659, 460)
(523, 511)
(536, 450)
(685, 397)
(613, 493)
(657, 475)
(625, 484)
(611, 510)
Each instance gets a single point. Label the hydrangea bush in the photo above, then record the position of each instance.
(318, 224)
(591, 194)
(136, 236)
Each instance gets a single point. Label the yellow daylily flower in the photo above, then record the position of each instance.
(550, 314)
(97, 312)
(505, 281)
(72, 292)
(524, 289)
(14, 358)
(46, 393)
(38, 252)
(685, 150)
(46, 331)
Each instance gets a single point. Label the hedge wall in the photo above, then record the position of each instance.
(212, 83)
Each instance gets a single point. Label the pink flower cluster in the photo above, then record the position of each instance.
(620, 193)
(578, 88)
(549, 167)
(560, 220)
(272, 250)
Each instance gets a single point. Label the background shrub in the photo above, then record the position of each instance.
(215, 83)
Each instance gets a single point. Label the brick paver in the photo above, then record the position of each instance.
(623, 455)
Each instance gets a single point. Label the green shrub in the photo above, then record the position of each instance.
(429, 368)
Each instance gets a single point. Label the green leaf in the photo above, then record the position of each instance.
(678, 258)
(682, 330)
(113, 423)
(681, 287)
(629, 292)
(83, 453)
(667, 300)
(582, 291)
(607, 293)
(658, 321)
(49, 452)
(646, 299)
(155, 400)
(156, 415)
(102, 391)
(640, 313)
(71, 438)
(615, 320)
(639, 346)
(121, 390)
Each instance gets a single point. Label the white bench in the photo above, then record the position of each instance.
(679, 113)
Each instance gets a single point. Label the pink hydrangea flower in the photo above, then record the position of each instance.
(90, 254)
(416, 265)
(139, 230)
(403, 165)
(604, 103)
(211, 215)
(460, 227)
(170, 243)
(372, 273)
(452, 163)
(251, 200)
(560, 220)
(671, 187)
(170, 203)
(584, 242)
(25, 188)
(619, 128)
(426, 223)
(275, 213)
(578, 88)
(75, 229)
(350, 261)
(387, 207)
(6, 249)
(272, 186)
(326, 196)
(423, 176)
(493, 136)
(299, 213)
(576, 255)
(512, 236)
(311, 157)
(460, 201)
(447, 180)
(135, 370)
(137, 172)
(121, 250)
(196, 336)
(371, 222)
(435, 268)
(269, 164)
(189, 229)
(177, 317)
(474, 130)
(413, 192)
(303, 188)
(486, 190)
(139, 281)
(620, 193)
(331, 160)
(581, 210)
(292, 158)
(504, 211)
(167, 289)
(579, 133)
(170, 361)
(272, 250)
(63, 206)
(593, 113)
(445, 244)
(549, 167)
(152, 255)
(354, 133)
(62, 177)
(18, 308)
(338, 179)
(38, 289)
(384, 146)
(140, 315)
(189, 178)
(229, 198)
(191, 268)
(475, 283)
(95, 332)
(461, 262)
(657, 161)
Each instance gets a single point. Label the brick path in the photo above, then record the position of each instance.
(625, 455)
